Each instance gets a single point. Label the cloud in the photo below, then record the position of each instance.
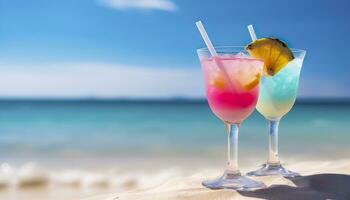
(105, 80)
(166, 5)
(99, 80)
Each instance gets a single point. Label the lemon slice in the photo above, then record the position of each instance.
(218, 80)
(250, 85)
(273, 52)
(247, 77)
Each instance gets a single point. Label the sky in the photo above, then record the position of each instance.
(147, 48)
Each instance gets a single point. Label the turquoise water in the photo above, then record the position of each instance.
(63, 130)
(278, 93)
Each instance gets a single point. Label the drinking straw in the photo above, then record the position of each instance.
(206, 38)
(252, 32)
(212, 51)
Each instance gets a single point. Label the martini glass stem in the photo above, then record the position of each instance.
(232, 148)
(273, 142)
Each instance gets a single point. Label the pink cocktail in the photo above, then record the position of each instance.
(232, 87)
(232, 94)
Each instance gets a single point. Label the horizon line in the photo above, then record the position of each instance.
(160, 99)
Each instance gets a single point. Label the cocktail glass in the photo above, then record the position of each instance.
(232, 89)
(277, 97)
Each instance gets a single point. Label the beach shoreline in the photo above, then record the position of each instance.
(167, 181)
(319, 180)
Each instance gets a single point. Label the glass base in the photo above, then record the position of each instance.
(234, 181)
(268, 169)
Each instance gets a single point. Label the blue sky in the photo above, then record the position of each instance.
(146, 48)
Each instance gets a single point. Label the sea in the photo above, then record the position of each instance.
(121, 133)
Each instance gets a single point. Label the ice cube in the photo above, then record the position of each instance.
(241, 55)
(227, 55)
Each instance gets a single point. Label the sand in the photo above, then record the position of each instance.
(319, 180)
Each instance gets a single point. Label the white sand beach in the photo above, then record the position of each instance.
(319, 180)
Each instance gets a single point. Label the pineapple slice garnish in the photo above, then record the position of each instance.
(273, 52)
